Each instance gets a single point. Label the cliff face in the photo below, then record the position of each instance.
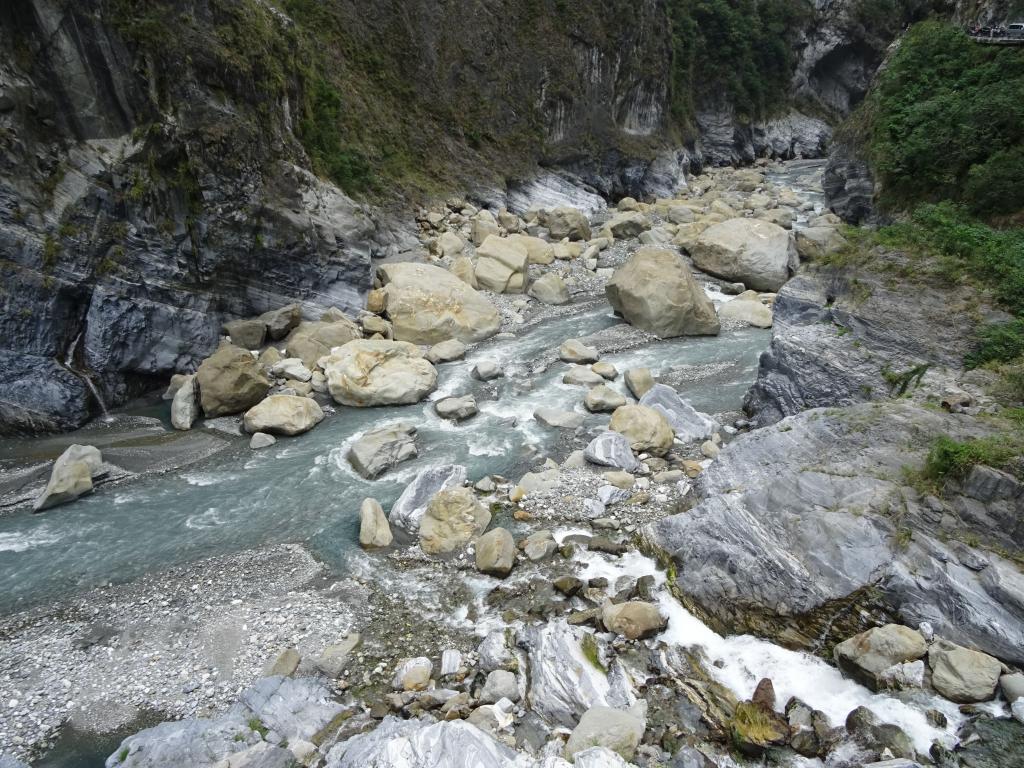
(163, 164)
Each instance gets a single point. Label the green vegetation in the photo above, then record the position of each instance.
(946, 122)
(588, 645)
(950, 459)
(740, 49)
(255, 725)
(122, 755)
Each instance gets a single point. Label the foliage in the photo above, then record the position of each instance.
(737, 48)
(951, 459)
(321, 137)
(998, 343)
(947, 122)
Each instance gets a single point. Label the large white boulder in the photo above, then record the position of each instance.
(71, 476)
(655, 291)
(501, 265)
(283, 415)
(757, 253)
(383, 372)
(427, 305)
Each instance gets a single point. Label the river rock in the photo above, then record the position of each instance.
(611, 449)
(866, 656)
(655, 291)
(261, 440)
(566, 222)
(575, 351)
(601, 399)
(374, 531)
(501, 265)
(449, 245)
(247, 334)
(185, 405)
(647, 430)
(456, 408)
(626, 224)
(639, 381)
(539, 546)
(283, 415)
(565, 679)
(427, 305)
(687, 422)
(291, 368)
(230, 381)
(453, 518)
(370, 373)
(496, 554)
(605, 370)
(500, 684)
(612, 729)
(408, 509)
(581, 375)
(963, 675)
(759, 254)
(537, 251)
(553, 417)
(380, 449)
(634, 620)
(335, 658)
(70, 477)
(280, 322)
(486, 370)
(463, 269)
(748, 311)
(311, 341)
(550, 289)
(446, 351)
(412, 674)
(1012, 686)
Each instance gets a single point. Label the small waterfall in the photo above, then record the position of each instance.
(69, 363)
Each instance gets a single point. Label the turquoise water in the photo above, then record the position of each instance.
(302, 489)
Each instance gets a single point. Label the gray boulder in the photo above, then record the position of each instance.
(963, 675)
(550, 289)
(496, 554)
(456, 408)
(866, 656)
(446, 351)
(612, 729)
(611, 449)
(575, 351)
(71, 476)
(553, 417)
(374, 530)
(500, 684)
(687, 422)
(185, 404)
(408, 509)
(376, 452)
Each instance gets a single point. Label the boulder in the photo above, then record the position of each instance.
(456, 408)
(575, 351)
(335, 658)
(368, 373)
(283, 415)
(177, 380)
(247, 334)
(537, 251)
(185, 405)
(634, 620)
(500, 684)
(550, 289)
(446, 351)
(482, 228)
(280, 322)
(627, 204)
(639, 381)
(748, 311)
(866, 656)
(291, 368)
(602, 399)
(553, 417)
(70, 477)
(501, 265)
(605, 370)
(818, 242)
(627, 224)
(655, 291)
(757, 253)
(453, 518)
(408, 509)
(612, 729)
(754, 728)
(581, 375)
(230, 381)
(374, 531)
(413, 674)
(486, 370)
(261, 440)
(312, 340)
(496, 554)
(688, 423)
(463, 269)
(647, 430)
(449, 245)
(380, 449)
(1012, 686)
(427, 305)
(611, 449)
(565, 222)
(963, 675)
